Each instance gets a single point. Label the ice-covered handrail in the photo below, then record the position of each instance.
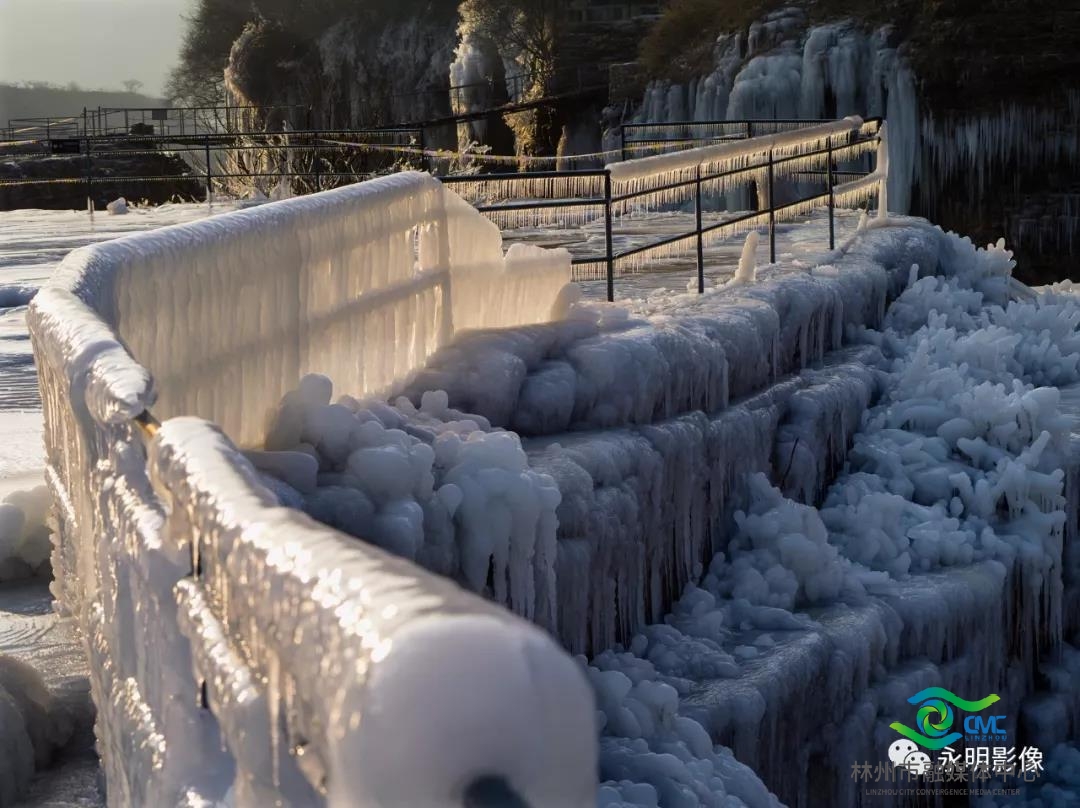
(862, 189)
(722, 153)
(198, 588)
(404, 659)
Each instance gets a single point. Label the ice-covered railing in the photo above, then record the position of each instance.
(239, 652)
(815, 154)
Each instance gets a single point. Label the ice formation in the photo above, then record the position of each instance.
(956, 465)
(375, 264)
(184, 575)
(24, 535)
(12, 296)
(773, 494)
(32, 726)
(783, 68)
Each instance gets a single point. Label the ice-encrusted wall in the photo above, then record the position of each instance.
(200, 599)
(231, 311)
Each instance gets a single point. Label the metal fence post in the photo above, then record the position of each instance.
(832, 202)
(700, 247)
(315, 160)
(89, 172)
(607, 238)
(772, 213)
(424, 165)
(622, 143)
(209, 177)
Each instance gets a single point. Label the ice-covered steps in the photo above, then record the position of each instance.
(676, 354)
(642, 508)
(802, 710)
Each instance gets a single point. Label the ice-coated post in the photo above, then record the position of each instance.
(424, 166)
(772, 214)
(832, 201)
(89, 167)
(209, 180)
(700, 249)
(749, 129)
(607, 238)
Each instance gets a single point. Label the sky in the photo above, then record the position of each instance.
(95, 43)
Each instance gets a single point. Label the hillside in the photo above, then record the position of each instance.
(41, 101)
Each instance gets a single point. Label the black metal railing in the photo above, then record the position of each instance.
(314, 160)
(608, 205)
(161, 121)
(320, 158)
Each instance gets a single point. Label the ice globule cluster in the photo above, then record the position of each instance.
(432, 484)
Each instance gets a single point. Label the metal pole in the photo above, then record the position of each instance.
(315, 150)
(209, 180)
(749, 129)
(127, 127)
(772, 213)
(700, 248)
(424, 166)
(607, 238)
(89, 173)
(832, 203)
(622, 143)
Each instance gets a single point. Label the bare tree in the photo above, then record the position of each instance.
(132, 85)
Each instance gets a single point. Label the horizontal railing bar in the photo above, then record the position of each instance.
(542, 204)
(524, 175)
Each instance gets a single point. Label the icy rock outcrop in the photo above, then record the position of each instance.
(783, 68)
(387, 71)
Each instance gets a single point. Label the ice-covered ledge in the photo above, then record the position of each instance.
(200, 599)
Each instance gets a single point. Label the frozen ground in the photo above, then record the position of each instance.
(46, 715)
(805, 241)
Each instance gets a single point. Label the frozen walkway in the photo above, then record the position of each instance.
(804, 242)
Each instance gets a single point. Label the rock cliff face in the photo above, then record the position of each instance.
(984, 120)
(352, 69)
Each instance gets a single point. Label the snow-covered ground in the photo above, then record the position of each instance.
(32, 243)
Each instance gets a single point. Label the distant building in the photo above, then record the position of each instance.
(612, 10)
